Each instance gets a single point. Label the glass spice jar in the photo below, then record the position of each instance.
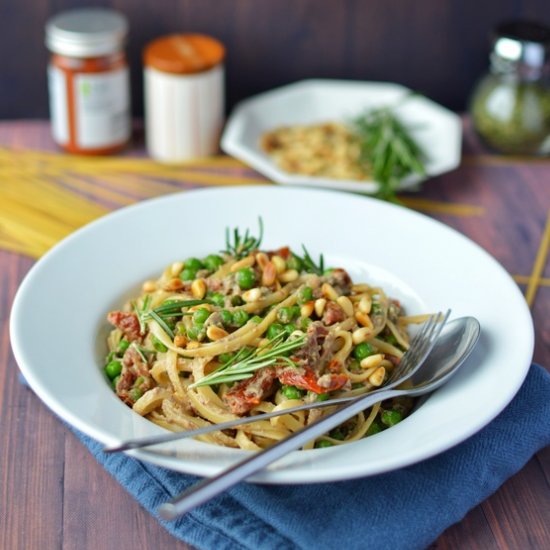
(88, 81)
(510, 106)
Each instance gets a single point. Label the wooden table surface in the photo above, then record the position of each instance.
(53, 494)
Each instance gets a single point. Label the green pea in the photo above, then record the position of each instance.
(362, 350)
(323, 443)
(305, 295)
(319, 396)
(236, 301)
(213, 262)
(240, 317)
(188, 274)
(217, 299)
(391, 418)
(194, 332)
(157, 344)
(374, 428)
(114, 382)
(274, 330)
(289, 329)
(123, 345)
(193, 263)
(135, 394)
(338, 434)
(294, 262)
(226, 317)
(291, 392)
(305, 322)
(200, 316)
(285, 315)
(246, 278)
(113, 369)
(354, 365)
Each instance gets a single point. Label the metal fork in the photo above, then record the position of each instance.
(208, 488)
(420, 346)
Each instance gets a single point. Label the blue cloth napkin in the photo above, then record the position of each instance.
(405, 509)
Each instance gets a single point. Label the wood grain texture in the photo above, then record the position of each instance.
(438, 48)
(54, 495)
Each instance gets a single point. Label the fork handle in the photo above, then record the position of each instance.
(208, 488)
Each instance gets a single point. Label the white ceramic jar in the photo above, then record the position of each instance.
(184, 97)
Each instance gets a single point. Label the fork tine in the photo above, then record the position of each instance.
(420, 347)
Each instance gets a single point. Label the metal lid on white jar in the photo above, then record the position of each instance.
(521, 46)
(86, 32)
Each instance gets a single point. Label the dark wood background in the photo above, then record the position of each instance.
(438, 47)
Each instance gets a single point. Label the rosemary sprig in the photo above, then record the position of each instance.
(388, 149)
(161, 314)
(241, 246)
(248, 361)
(309, 264)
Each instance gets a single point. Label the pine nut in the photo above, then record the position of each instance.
(345, 303)
(328, 292)
(372, 361)
(307, 309)
(361, 335)
(261, 259)
(175, 268)
(215, 333)
(149, 286)
(173, 284)
(320, 304)
(288, 276)
(180, 340)
(269, 274)
(279, 263)
(249, 261)
(377, 377)
(252, 295)
(361, 287)
(201, 306)
(365, 304)
(363, 319)
(198, 288)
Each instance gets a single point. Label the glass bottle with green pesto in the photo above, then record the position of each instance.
(510, 106)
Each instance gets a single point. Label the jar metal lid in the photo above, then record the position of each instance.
(86, 32)
(521, 44)
(183, 53)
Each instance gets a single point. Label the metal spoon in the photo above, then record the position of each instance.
(457, 340)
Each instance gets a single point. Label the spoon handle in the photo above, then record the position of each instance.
(166, 438)
(210, 487)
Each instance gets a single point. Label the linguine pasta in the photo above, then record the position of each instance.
(248, 331)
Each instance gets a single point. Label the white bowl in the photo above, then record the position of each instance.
(436, 129)
(58, 326)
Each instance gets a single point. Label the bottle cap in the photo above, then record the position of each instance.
(521, 46)
(86, 32)
(183, 53)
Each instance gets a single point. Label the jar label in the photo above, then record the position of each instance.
(59, 115)
(102, 108)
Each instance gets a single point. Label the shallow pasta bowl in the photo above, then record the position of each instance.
(437, 130)
(58, 326)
